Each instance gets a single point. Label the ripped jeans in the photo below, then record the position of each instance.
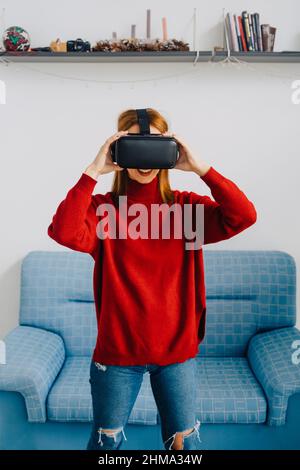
(114, 390)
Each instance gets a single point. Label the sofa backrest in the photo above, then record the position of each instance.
(246, 292)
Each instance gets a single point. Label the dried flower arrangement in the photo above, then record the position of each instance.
(138, 45)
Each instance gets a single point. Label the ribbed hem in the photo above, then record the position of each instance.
(142, 361)
(212, 176)
(86, 183)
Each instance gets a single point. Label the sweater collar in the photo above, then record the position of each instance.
(143, 191)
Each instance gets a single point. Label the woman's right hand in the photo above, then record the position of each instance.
(103, 162)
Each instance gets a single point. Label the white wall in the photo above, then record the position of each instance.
(242, 121)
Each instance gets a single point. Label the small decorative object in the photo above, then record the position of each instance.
(133, 30)
(148, 24)
(79, 45)
(164, 27)
(58, 46)
(16, 38)
(268, 37)
(134, 44)
(139, 45)
(40, 49)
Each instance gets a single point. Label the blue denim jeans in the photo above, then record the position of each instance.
(114, 390)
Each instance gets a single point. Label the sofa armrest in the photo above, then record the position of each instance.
(33, 359)
(271, 356)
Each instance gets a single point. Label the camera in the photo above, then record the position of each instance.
(79, 45)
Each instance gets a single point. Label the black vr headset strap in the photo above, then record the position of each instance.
(143, 121)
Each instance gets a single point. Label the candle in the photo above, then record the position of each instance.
(164, 25)
(133, 30)
(148, 24)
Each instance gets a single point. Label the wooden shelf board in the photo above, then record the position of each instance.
(151, 56)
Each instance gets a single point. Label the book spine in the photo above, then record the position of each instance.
(237, 29)
(247, 30)
(272, 37)
(265, 31)
(251, 32)
(242, 34)
(233, 34)
(228, 32)
(258, 32)
(254, 32)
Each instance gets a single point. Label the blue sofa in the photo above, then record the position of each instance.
(248, 385)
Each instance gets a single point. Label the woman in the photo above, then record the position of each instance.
(149, 292)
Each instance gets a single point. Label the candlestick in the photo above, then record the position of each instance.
(194, 28)
(148, 24)
(133, 30)
(164, 26)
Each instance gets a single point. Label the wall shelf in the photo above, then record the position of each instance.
(170, 56)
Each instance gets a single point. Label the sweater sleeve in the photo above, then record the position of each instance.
(229, 214)
(74, 222)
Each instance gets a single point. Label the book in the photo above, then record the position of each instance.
(268, 37)
(245, 33)
(272, 37)
(227, 45)
(258, 32)
(254, 32)
(238, 33)
(232, 33)
(251, 31)
(243, 38)
(245, 18)
(227, 33)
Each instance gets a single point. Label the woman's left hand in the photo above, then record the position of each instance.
(186, 160)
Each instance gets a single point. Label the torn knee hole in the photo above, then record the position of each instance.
(179, 436)
(178, 440)
(189, 431)
(111, 433)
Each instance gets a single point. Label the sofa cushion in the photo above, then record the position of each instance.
(227, 391)
(70, 397)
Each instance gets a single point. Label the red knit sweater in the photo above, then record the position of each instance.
(149, 293)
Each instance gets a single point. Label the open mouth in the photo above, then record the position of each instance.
(144, 172)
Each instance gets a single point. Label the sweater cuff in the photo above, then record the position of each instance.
(212, 176)
(86, 183)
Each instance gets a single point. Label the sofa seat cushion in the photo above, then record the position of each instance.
(228, 392)
(70, 397)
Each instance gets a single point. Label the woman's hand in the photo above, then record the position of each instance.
(103, 162)
(186, 160)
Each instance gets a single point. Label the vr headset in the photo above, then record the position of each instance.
(144, 150)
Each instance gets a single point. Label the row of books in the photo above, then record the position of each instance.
(245, 33)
